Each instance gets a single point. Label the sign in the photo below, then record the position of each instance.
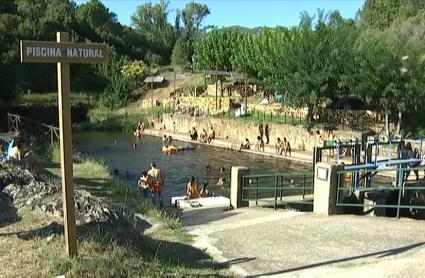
(63, 52)
(322, 173)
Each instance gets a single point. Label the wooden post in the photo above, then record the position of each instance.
(66, 152)
(216, 93)
(152, 90)
(246, 96)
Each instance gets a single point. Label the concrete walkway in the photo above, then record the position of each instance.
(263, 242)
(269, 150)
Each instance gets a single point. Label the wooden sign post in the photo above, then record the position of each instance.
(64, 53)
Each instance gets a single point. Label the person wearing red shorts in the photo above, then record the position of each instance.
(157, 183)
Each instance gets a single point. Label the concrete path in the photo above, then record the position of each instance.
(263, 242)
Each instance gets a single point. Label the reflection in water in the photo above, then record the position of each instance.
(176, 168)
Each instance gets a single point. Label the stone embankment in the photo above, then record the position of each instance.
(21, 188)
(299, 137)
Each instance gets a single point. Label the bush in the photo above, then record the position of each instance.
(118, 93)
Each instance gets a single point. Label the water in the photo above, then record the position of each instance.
(176, 168)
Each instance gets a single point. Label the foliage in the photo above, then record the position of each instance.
(180, 55)
(51, 99)
(136, 70)
(216, 50)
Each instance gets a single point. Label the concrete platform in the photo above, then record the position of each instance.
(259, 242)
(182, 203)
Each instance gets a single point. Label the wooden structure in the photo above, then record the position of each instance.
(63, 53)
(17, 123)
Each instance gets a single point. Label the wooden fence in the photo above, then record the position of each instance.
(18, 123)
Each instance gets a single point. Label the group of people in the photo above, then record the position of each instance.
(282, 147)
(138, 132)
(167, 139)
(152, 182)
(193, 191)
(204, 137)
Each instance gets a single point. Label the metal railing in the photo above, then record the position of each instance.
(268, 116)
(296, 188)
(18, 123)
(392, 194)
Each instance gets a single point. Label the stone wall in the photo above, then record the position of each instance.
(300, 138)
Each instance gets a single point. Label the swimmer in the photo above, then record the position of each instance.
(115, 142)
(208, 168)
(134, 146)
(116, 173)
(127, 174)
(221, 170)
(221, 182)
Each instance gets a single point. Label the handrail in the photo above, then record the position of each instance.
(255, 186)
(271, 175)
(14, 121)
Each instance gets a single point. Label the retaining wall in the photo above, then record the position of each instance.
(299, 137)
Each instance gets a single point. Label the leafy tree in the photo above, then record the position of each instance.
(179, 57)
(120, 86)
(150, 22)
(216, 49)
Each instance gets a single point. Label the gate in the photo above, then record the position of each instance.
(283, 188)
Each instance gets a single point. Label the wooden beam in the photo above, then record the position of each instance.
(66, 152)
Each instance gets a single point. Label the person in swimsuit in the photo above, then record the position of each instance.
(143, 184)
(192, 190)
(156, 183)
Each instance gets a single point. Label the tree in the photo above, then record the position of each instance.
(179, 57)
(216, 49)
(150, 22)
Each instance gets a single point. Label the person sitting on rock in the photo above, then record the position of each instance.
(260, 144)
(211, 135)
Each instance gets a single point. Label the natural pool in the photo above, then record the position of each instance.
(176, 168)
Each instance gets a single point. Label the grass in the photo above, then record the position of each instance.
(102, 119)
(94, 175)
(51, 99)
(104, 250)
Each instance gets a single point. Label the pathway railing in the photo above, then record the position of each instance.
(285, 188)
(389, 196)
(18, 123)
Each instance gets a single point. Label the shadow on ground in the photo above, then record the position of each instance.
(171, 253)
(379, 254)
(8, 214)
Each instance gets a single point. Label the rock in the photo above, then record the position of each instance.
(24, 189)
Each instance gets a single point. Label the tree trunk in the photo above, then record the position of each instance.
(310, 114)
(387, 123)
(399, 122)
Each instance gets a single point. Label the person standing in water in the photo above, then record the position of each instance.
(156, 184)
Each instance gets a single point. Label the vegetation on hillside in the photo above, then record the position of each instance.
(377, 57)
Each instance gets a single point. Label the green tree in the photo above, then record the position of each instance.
(180, 55)
(150, 22)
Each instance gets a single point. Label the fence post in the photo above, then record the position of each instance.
(292, 117)
(8, 122)
(51, 135)
(264, 115)
(271, 115)
(284, 114)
